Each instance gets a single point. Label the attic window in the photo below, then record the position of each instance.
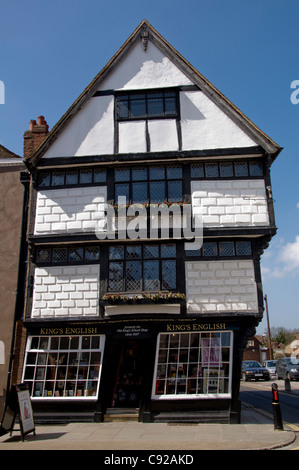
(147, 104)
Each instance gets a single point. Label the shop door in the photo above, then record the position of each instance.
(129, 376)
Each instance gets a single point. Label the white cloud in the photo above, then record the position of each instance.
(289, 256)
(286, 261)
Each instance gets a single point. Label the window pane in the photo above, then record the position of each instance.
(123, 108)
(243, 248)
(197, 170)
(122, 174)
(139, 193)
(122, 190)
(133, 275)
(43, 256)
(168, 250)
(75, 254)
(133, 251)
(157, 173)
(151, 275)
(174, 172)
(71, 177)
(241, 169)
(212, 170)
(58, 178)
(86, 176)
(255, 169)
(139, 174)
(137, 108)
(175, 191)
(59, 255)
(168, 274)
(226, 169)
(157, 192)
(116, 252)
(99, 176)
(209, 249)
(226, 249)
(155, 106)
(170, 105)
(116, 276)
(151, 251)
(92, 253)
(44, 179)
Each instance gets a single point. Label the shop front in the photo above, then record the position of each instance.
(164, 369)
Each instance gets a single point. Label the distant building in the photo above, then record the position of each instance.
(11, 207)
(150, 324)
(256, 351)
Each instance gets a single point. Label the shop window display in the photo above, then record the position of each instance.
(63, 366)
(193, 365)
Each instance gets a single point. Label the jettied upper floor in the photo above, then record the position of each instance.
(203, 122)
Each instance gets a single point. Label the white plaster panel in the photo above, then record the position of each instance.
(230, 202)
(132, 137)
(163, 135)
(205, 126)
(145, 69)
(69, 210)
(66, 291)
(90, 132)
(221, 286)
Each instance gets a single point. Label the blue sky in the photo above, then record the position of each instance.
(50, 51)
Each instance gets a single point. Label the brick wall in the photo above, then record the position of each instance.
(69, 210)
(66, 291)
(231, 203)
(220, 286)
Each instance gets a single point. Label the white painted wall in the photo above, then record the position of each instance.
(205, 126)
(221, 286)
(230, 203)
(140, 69)
(91, 131)
(69, 210)
(66, 291)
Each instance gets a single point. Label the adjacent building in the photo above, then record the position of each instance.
(11, 207)
(144, 313)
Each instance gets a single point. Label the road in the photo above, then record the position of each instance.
(259, 395)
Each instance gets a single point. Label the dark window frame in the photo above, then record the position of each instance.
(213, 169)
(125, 260)
(132, 182)
(147, 97)
(49, 176)
(50, 260)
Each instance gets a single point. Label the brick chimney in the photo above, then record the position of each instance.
(35, 136)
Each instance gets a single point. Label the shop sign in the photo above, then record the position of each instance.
(175, 327)
(69, 330)
(132, 331)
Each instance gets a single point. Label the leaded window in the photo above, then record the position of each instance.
(147, 104)
(64, 255)
(227, 169)
(137, 268)
(71, 177)
(142, 185)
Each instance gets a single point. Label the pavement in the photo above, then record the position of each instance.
(256, 432)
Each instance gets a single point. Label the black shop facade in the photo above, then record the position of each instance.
(155, 369)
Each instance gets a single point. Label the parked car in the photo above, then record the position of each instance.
(271, 366)
(254, 370)
(287, 368)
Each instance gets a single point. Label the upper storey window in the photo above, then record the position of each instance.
(147, 104)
